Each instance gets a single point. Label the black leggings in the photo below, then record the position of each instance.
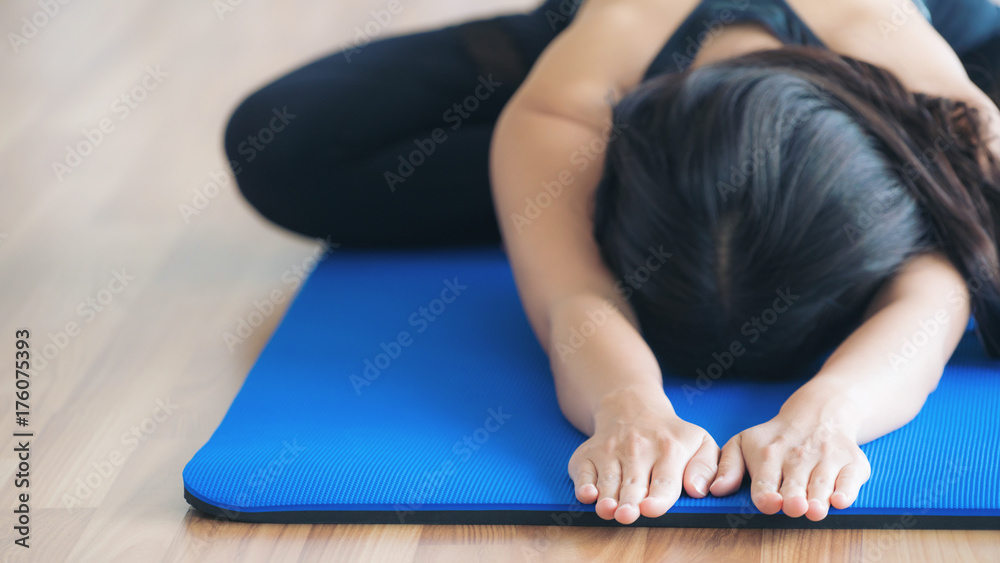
(387, 143)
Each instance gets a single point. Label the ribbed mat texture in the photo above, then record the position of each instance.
(410, 381)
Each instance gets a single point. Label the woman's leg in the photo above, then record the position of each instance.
(982, 63)
(386, 143)
(965, 24)
(972, 28)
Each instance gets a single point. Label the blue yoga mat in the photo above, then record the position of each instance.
(407, 387)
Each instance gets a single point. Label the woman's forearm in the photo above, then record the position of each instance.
(596, 353)
(878, 379)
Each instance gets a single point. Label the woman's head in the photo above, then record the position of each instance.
(787, 186)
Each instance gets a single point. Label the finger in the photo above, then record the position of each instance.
(820, 488)
(702, 468)
(764, 468)
(664, 484)
(609, 477)
(794, 479)
(635, 486)
(584, 476)
(849, 482)
(729, 475)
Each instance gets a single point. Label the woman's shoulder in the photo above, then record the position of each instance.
(888, 34)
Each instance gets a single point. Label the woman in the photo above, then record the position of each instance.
(756, 181)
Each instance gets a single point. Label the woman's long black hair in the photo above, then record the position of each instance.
(788, 186)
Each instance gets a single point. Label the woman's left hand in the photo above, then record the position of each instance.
(800, 462)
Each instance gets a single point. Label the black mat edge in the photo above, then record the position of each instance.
(581, 518)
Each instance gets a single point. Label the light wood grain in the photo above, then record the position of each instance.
(160, 338)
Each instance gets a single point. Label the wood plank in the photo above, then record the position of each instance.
(106, 465)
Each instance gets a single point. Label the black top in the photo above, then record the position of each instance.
(710, 16)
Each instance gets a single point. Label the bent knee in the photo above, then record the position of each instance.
(260, 142)
(257, 126)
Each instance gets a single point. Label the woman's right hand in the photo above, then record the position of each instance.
(640, 455)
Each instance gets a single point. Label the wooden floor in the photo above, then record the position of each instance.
(135, 380)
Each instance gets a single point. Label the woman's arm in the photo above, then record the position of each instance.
(892, 34)
(806, 458)
(881, 375)
(544, 170)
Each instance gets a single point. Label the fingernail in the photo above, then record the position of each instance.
(699, 483)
